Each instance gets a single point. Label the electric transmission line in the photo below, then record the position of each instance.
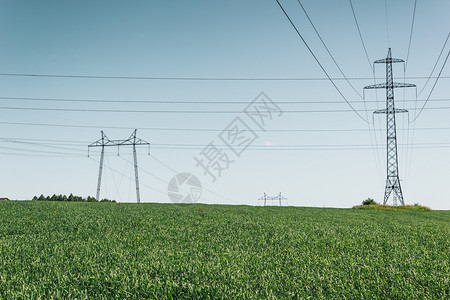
(74, 153)
(318, 62)
(192, 111)
(176, 102)
(181, 78)
(387, 23)
(131, 179)
(360, 35)
(435, 65)
(411, 33)
(187, 129)
(203, 188)
(328, 50)
(373, 136)
(432, 89)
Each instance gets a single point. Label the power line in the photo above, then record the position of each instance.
(423, 88)
(39, 99)
(62, 125)
(250, 147)
(161, 180)
(54, 143)
(283, 145)
(318, 62)
(191, 129)
(306, 147)
(376, 153)
(31, 143)
(131, 179)
(329, 53)
(65, 155)
(360, 36)
(45, 141)
(434, 67)
(432, 89)
(374, 137)
(57, 155)
(163, 111)
(204, 188)
(39, 151)
(411, 33)
(325, 148)
(189, 111)
(387, 23)
(184, 78)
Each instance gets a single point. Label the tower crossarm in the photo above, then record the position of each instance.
(384, 111)
(388, 60)
(263, 197)
(101, 142)
(105, 142)
(138, 142)
(385, 85)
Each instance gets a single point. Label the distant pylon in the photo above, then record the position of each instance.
(279, 197)
(104, 141)
(392, 181)
(265, 198)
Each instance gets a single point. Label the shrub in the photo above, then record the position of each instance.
(369, 201)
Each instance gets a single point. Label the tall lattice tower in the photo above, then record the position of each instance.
(392, 181)
(104, 141)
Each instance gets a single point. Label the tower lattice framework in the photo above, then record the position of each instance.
(104, 141)
(392, 180)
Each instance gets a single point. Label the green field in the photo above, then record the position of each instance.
(106, 250)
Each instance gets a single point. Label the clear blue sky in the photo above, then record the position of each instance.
(336, 160)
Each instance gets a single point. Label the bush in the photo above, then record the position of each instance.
(369, 201)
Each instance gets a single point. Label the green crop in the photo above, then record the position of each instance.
(107, 250)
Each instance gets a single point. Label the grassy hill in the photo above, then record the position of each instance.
(108, 250)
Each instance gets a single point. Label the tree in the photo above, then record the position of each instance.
(71, 198)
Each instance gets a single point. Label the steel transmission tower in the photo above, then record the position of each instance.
(265, 198)
(104, 141)
(279, 197)
(392, 181)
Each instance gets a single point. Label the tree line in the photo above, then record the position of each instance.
(71, 198)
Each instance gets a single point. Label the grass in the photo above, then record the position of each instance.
(165, 251)
(416, 208)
